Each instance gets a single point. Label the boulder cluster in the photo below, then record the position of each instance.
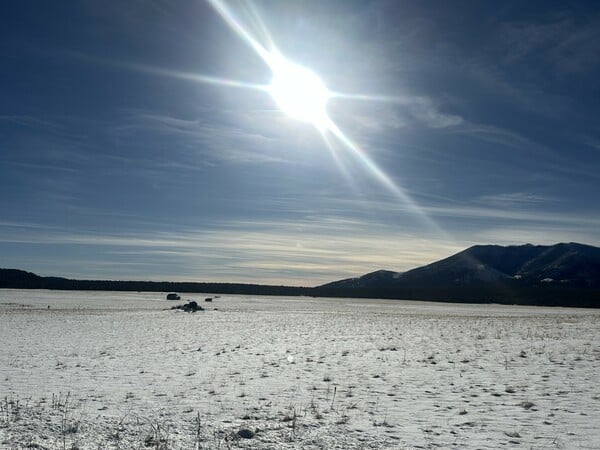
(190, 306)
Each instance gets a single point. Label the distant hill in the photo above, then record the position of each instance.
(529, 274)
(379, 278)
(20, 279)
(556, 275)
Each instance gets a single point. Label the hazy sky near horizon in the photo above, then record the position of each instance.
(116, 161)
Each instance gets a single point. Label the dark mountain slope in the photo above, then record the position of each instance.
(561, 274)
(369, 280)
(569, 264)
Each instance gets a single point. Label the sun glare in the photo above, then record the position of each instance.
(299, 93)
(302, 95)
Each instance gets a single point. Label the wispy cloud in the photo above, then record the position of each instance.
(496, 135)
(28, 166)
(566, 44)
(300, 252)
(521, 215)
(231, 138)
(504, 208)
(30, 121)
(381, 113)
(308, 252)
(509, 199)
(430, 115)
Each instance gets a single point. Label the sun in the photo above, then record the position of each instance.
(303, 96)
(299, 92)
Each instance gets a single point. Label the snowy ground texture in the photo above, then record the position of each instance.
(114, 370)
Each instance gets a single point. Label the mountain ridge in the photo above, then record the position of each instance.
(572, 264)
(564, 274)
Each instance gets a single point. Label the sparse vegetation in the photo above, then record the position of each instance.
(186, 399)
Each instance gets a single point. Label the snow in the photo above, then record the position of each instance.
(120, 370)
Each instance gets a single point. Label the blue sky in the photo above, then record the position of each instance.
(117, 162)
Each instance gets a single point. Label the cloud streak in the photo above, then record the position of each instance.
(308, 252)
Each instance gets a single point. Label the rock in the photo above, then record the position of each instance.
(245, 433)
(191, 306)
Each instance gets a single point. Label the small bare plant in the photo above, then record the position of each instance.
(383, 423)
(197, 431)
(67, 424)
(158, 437)
(291, 414)
(10, 411)
(353, 405)
(343, 420)
(314, 408)
(333, 399)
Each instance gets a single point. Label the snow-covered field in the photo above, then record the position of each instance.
(117, 370)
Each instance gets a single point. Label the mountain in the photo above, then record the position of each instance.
(531, 274)
(555, 275)
(571, 264)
